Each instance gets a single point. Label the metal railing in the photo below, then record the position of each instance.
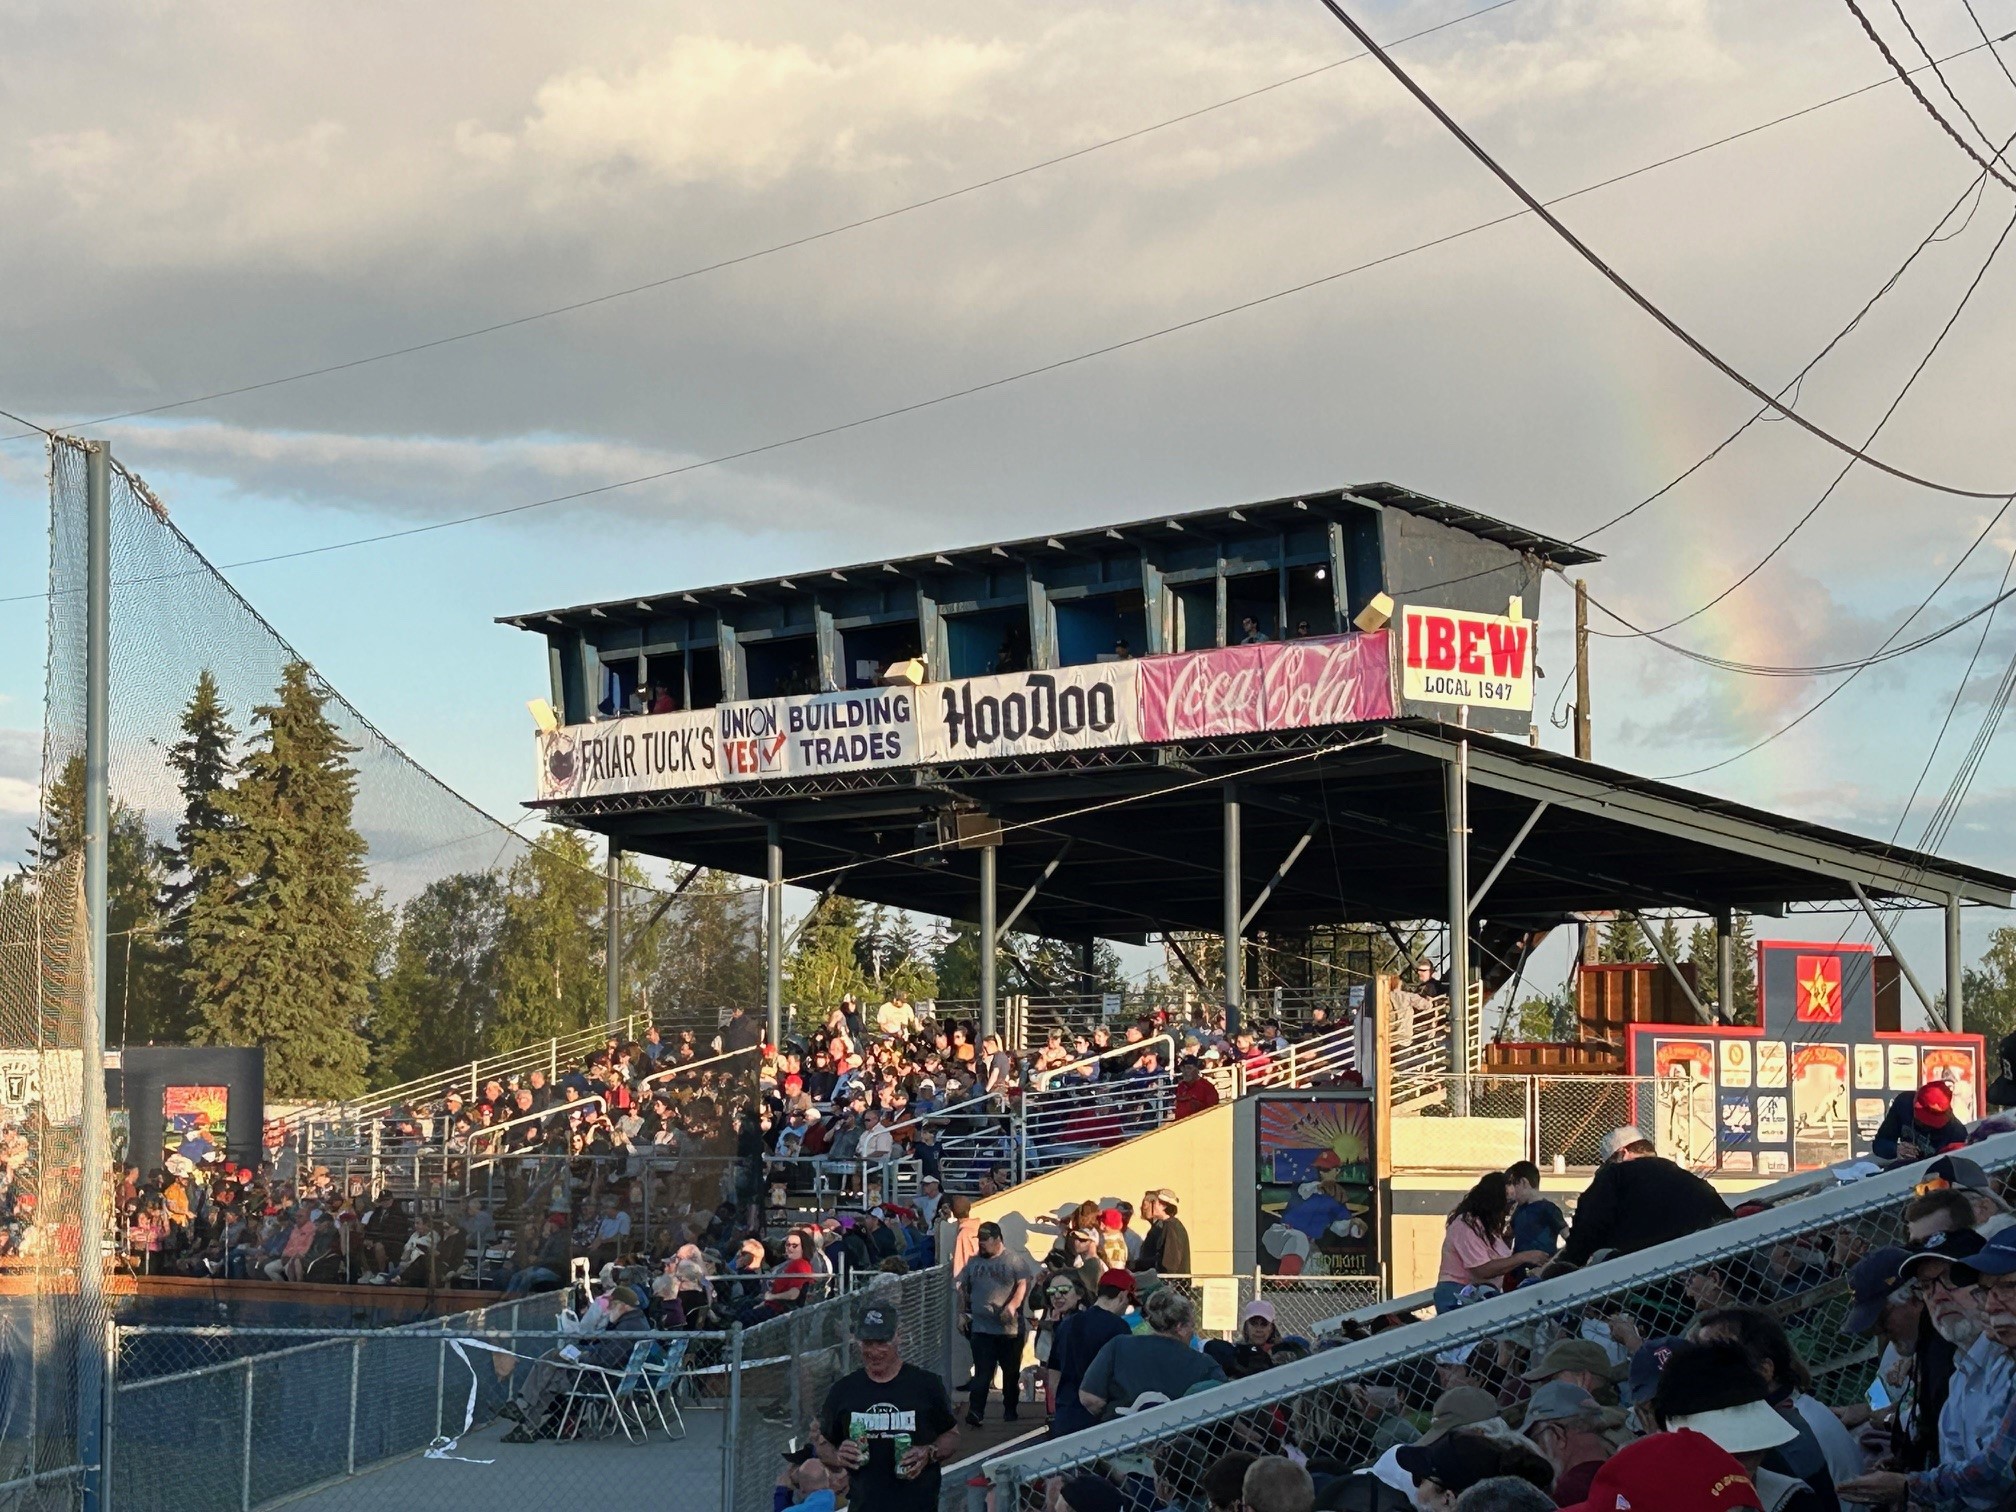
(1790, 1259)
(542, 1055)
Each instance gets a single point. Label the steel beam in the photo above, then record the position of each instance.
(989, 935)
(1956, 967)
(1029, 896)
(1505, 857)
(773, 984)
(1932, 1014)
(1232, 929)
(1701, 1010)
(1280, 876)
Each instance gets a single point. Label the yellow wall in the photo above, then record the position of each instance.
(1192, 1157)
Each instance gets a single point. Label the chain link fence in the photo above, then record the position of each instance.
(1346, 1405)
(342, 1419)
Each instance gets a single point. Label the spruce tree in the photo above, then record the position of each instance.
(1744, 1009)
(549, 979)
(280, 936)
(203, 766)
(824, 963)
(1624, 941)
(713, 952)
(1702, 955)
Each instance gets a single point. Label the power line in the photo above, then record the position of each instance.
(1974, 16)
(1630, 291)
(1847, 467)
(1832, 693)
(739, 259)
(1240, 308)
(33, 428)
(1939, 74)
(1897, 66)
(1764, 411)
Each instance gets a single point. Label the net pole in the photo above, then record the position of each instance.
(91, 1105)
(613, 950)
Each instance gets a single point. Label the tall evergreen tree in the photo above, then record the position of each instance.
(281, 937)
(1624, 941)
(203, 763)
(549, 952)
(1701, 954)
(824, 963)
(136, 979)
(439, 994)
(1744, 1009)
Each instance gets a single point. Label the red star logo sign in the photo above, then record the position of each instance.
(1819, 982)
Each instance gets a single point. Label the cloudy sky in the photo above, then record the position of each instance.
(201, 197)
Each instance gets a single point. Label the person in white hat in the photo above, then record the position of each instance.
(1639, 1199)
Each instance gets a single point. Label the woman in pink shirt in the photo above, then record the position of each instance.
(1477, 1245)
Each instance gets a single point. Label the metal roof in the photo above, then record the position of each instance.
(1203, 522)
(1369, 797)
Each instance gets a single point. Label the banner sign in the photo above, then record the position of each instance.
(1345, 679)
(1285, 685)
(1456, 657)
(1028, 713)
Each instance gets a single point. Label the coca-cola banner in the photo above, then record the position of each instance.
(1285, 685)
(1344, 679)
(1027, 713)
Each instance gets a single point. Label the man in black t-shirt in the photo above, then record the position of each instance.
(873, 1413)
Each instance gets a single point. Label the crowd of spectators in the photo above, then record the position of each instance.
(1695, 1393)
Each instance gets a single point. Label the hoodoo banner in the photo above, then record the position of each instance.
(1345, 679)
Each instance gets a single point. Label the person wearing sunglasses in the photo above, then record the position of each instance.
(1979, 1470)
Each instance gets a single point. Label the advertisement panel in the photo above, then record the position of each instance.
(194, 1124)
(1028, 713)
(1287, 685)
(643, 754)
(1315, 1209)
(815, 733)
(1456, 657)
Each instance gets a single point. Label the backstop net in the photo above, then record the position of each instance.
(433, 933)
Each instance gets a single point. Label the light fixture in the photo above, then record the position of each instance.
(1376, 614)
(543, 716)
(905, 673)
(1322, 573)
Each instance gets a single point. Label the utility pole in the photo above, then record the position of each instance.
(1582, 744)
(613, 949)
(1456, 805)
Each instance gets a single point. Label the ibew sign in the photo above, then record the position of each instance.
(1453, 656)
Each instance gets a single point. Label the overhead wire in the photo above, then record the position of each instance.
(1939, 73)
(1847, 467)
(381, 537)
(1666, 322)
(574, 306)
(1897, 66)
(1975, 17)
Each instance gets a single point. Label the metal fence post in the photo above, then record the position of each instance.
(245, 1449)
(440, 1383)
(552, 1060)
(731, 1428)
(106, 1442)
(1533, 1119)
(356, 1363)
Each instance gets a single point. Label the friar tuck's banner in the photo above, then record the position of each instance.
(1273, 686)
(1028, 713)
(1343, 679)
(1456, 657)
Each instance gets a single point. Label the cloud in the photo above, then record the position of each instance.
(431, 478)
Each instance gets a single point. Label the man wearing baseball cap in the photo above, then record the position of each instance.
(1577, 1362)
(1445, 1469)
(1077, 1342)
(1575, 1432)
(1918, 1124)
(1639, 1199)
(1981, 1471)
(889, 1425)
